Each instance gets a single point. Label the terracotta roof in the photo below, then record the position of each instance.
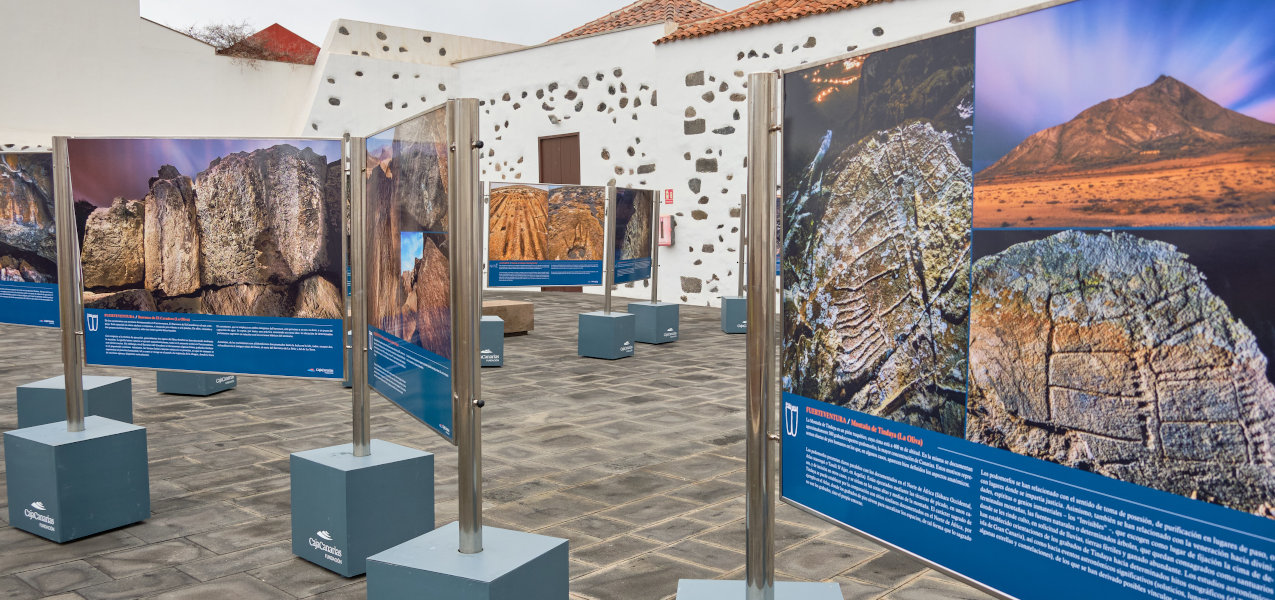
(645, 12)
(276, 43)
(762, 12)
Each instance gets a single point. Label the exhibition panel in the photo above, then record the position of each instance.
(542, 234)
(28, 244)
(232, 270)
(409, 285)
(1025, 336)
(633, 242)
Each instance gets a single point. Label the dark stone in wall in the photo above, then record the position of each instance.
(653, 102)
(708, 96)
(877, 31)
(583, 83)
(690, 112)
(643, 169)
(734, 212)
(579, 105)
(727, 130)
(707, 248)
(696, 78)
(810, 43)
(699, 215)
(553, 86)
(692, 285)
(704, 200)
(706, 165)
(738, 97)
(694, 127)
(606, 154)
(957, 17)
(570, 95)
(694, 185)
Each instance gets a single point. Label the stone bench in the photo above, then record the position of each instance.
(519, 316)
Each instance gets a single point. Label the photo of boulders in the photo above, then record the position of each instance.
(28, 247)
(518, 225)
(576, 222)
(1109, 352)
(409, 280)
(633, 212)
(256, 232)
(877, 204)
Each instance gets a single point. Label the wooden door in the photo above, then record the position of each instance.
(560, 159)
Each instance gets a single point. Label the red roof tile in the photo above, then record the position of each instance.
(645, 12)
(276, 43)
(762, 12)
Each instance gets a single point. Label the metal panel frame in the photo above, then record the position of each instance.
(70, 287)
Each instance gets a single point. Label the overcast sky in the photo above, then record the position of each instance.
(518, 21)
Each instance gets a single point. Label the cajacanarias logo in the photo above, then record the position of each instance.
(45, 521)
(331, 553)
(322, 370)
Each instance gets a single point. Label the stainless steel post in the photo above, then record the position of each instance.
(346, 275)
(70, 298)
(357, 156)
(465, 218)
(743, 243)
(655, 246)
(759, 567)
(609, 263)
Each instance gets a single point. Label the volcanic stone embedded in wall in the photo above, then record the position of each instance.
(1108, 352)
(696, 78)
(706, 165)
(692, 285)
(693, 127)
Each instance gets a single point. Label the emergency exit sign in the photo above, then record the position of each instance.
(668, 196)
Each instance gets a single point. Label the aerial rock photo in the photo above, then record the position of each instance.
(255, 231)
(576, 229)
(519, 228)
(876, 241)
(28, 250)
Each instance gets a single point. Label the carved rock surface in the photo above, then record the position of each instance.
(114, 246)
(519, 230)
(249, 300)
(877, 319)
(419, 171)
(575, 222)
(125, 300)
(1107, 352)
(635, 240)
(263, 216)
(26, 206)
(431, 292)
(171, 233)
(385, 289)
(317, 298)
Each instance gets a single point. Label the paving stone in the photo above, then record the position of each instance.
(13, 588)
(650, 510)
(148, 558)
(614, 550)
(139, 585)
(888, 569)
(299, 577)
(648, 576)
(63, 578)
(819, 560)
(708, 555)
(235, 586)
(936, 587)
(238, 562)
(672, 530)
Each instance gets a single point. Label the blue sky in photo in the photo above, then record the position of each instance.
(411, 247)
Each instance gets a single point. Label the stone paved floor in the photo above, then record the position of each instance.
(638, 462)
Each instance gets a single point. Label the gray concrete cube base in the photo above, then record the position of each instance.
(512, 566)
(491, 336)
(193, 384)
(44, 401)
(606, 335)
(346, 508)
(701, 589)
(734, 314)
(64, 486)
(657, 322)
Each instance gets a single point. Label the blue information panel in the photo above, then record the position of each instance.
(26, 303)
(507, 273)
(1027, 324)
(634, 210)
(285, 347)
(409, 279)
(545, 235)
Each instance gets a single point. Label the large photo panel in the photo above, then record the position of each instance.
(541, 234)
(409, 280)
(634, 210)
(28, 246)
(215, 255)
(1050, 362)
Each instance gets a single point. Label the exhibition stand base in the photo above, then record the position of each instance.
(193, 384)
(44, 402)
(346, 508)
(734, 314)
(491, 336)
(657, 322)
(512, 566)
(606, 335)
(701, 589)
(64, 486)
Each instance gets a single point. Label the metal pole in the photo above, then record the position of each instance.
(465, 219)
(655, 247)
(743, 243)
(70, 298)
(759, 566)
(346, 274)
(357, 155)
(609, 265)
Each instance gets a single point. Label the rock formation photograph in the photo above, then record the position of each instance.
(876, 247)
(409, 281)
(1183, 136)
(225, 227)
(28, 246)
(576, 229)
(633, 212)
(518, 223)
(1111, 352)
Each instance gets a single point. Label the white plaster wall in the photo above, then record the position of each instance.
(705, 168)
(86, 68)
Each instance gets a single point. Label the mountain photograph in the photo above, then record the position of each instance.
(1178, 135)
(28, 251)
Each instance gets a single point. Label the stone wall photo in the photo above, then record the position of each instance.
(876, 247)
(409, 281)
(210, 226)
(28, 247)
